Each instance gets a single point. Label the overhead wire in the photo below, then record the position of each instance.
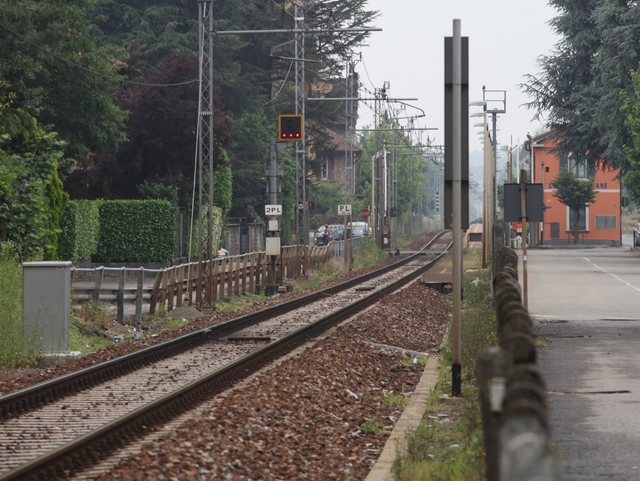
(283, 84)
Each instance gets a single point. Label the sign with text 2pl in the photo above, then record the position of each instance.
(272, 210)
(344, 209)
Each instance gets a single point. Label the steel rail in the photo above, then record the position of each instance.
(32, 397)
(88, 449)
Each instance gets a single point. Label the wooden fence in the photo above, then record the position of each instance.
(187, 284)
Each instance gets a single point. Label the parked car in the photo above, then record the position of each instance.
(359, 229)
(318, 233)
(332, 229)
(338, 234)
(223, 254)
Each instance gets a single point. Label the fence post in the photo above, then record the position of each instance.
(493, 368)
(244, 273)
(180, 283)
(252, 272)
(154, 294)
(171, 289)
(98, 284)
(139, 294)
(120, 297)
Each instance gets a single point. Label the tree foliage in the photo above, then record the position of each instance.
(631, 109)
(245, 73)
(580, 81)
(58, 75)
(574, 193)
(161, 139)
(31, 196)
(409, 167)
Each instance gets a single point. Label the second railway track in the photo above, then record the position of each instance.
(64, 425)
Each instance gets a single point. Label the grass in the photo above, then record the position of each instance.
(371, 426)
(394, 399)
(12, 342)
(368, 254)
(448, 445)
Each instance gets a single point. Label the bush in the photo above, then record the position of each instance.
(80, 226)
(136, 231)
(13, 352)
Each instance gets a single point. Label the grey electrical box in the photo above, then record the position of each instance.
(46, 305)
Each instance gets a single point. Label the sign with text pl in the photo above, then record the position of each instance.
(272, 210)
(344, 209)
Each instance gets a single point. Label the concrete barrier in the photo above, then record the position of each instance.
(513, 397)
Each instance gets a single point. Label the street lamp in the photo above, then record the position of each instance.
(487, 215)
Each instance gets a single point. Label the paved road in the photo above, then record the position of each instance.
(587, 306)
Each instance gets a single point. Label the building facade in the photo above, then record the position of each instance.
(599, 221)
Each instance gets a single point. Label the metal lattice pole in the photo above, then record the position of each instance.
(302, 218)
(205, 149)
(349, 172)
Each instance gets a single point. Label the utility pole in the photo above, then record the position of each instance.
(300, 32)
(348, 161)
(205, 153)
(302, 219)
(456, 366)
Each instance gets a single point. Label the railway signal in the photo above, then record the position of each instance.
(290, 127)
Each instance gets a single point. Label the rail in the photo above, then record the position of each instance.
(99, 443)
(513, 398)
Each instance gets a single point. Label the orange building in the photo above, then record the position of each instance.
(599, 221)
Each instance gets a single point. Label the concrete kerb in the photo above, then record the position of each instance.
(396, 445)
(409, 421)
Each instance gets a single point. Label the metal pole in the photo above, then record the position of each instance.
(456, 367)
(494, 118)
(486, 192)
(523, 219)
(543, 204)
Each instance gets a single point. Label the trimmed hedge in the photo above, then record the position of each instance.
(136, 231)
(80, 229)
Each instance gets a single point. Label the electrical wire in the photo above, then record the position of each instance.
(87, 69)
(283, 83)
(367, 72)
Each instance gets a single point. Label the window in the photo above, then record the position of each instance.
(606, 222)
(324, 169)
(583, 224)
(581, 169)
(555, 230)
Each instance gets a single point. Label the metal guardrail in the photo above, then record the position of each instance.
(96, 284)
(513, 398)
(176, 285)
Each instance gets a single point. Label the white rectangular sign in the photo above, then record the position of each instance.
(272, 210)
(344, 209)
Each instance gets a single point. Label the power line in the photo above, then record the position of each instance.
(87, 69)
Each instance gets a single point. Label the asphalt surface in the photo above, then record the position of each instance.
(586, 306)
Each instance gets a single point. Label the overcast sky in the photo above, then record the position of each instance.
(506, 37)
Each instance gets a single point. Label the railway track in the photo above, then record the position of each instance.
(64, 425)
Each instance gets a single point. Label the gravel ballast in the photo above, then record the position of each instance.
(320, 414)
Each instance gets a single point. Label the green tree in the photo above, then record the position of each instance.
(245, 72)
(158, 29)
(31, 196)
(58, 75)
(409, 168)
(575, 194)
(580, 81)
(631, 108)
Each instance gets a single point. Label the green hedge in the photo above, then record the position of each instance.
(80, 225)
(136, 231)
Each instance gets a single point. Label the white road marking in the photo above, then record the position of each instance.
(612, 275)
